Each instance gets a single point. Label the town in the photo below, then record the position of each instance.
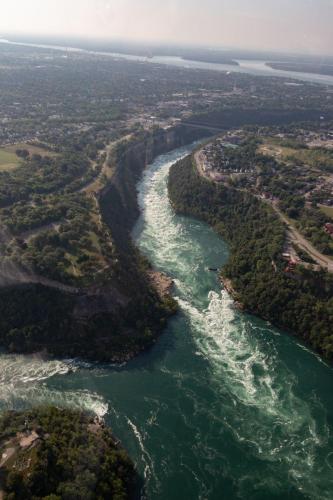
(291, 168)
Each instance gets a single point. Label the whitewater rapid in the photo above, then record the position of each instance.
(23, 384)
(224, 406)
(257, 391)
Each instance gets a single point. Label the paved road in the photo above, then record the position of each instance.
(294, 235)
(321, 259)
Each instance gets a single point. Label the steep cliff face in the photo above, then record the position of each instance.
(119, 199)
(113, 321)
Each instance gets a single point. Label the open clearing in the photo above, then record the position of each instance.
(33, 150)
(317, 159)
(327, 210)
(8, 160)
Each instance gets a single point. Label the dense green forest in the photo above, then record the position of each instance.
(42, 210)
(302, 301)
(41, 175)
(63, 454)
(105, 326)
(117, 313)
(258, 113)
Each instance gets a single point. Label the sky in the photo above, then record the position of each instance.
(290, 25)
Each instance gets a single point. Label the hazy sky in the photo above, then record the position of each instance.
(296, 25)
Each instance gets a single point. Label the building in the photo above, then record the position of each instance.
(329, 228)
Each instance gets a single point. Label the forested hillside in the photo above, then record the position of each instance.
(56, 454)
(301, 302)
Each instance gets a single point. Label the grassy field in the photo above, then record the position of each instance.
(284, 150)
(8, 160)
(327, 210)
(33, 150)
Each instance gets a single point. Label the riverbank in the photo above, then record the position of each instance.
(41, 457)
(162, 283)
(309, 68)
(323, 262)
(218, 385)
(125, 310)
(300, 302)
(229, 287)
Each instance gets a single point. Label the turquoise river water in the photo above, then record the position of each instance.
(224, 406)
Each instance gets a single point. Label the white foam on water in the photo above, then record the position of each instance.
(23, 384)
(162, 235)
(19, 369)
(149, 472)
(259, 403)
(257, 391)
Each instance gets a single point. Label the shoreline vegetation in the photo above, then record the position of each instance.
(303, 67)
(59, 453)
(124, 311)
(255, 274)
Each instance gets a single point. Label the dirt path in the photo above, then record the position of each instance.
(198, 161)
(12, 274)
(107, 171)
(7, 455)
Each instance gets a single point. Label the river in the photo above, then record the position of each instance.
(224, 406)
(249, 66)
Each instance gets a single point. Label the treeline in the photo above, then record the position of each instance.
(42, 175)
(321, 69)
(121, 314)
(42, 210)
(94, 327)
(239, 117)
(72, 456)
(301, 301)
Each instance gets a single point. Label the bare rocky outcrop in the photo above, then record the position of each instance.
(162, 283)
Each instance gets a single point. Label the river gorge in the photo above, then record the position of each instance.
(224, 406)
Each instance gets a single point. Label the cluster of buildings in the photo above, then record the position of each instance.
(324, 139)
(323, 192)
(217, 162)
(292, 262)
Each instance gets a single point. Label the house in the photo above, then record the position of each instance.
(329, 228)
